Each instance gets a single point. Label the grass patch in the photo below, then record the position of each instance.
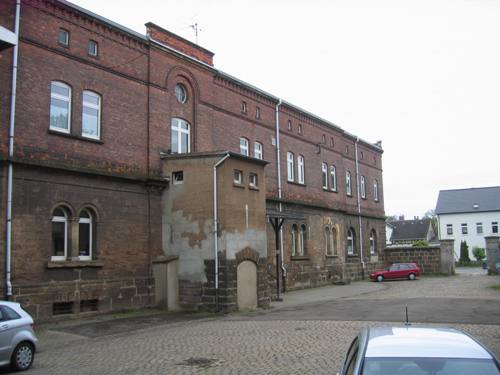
(495, 287)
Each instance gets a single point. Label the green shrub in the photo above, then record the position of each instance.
(464, 253)
(420, 243)
(478, 253)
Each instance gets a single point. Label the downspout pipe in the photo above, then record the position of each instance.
(363, 265)
(10, 170)
(280, 206)
(216, 232)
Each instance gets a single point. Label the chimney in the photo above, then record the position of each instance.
(401, 217)
(179, 44)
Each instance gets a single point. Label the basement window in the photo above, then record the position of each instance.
(62, 308)
(89, 305)
(178, 177)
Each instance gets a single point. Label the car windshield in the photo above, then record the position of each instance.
(429, 366)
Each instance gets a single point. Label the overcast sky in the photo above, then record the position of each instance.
(423, 76)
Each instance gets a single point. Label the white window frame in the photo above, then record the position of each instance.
(373, 243)
(479, 228)
(92, 106)
(494, 227)
(176, 126)
(258, 150)
(88, 221)
(363, 187)
(66, 34)
(348, 185)
(302, 239)
(95, 50)
(62, 219)
(294, 234)
(300, 170)
(324, 175)
(375, 191)
(333, 178)
(350, 241)
(290, 168)
(238, 177)
(65, 99)
(244, 146)
(465, 229)
(257, 113)
(253, 180)
(449, 229)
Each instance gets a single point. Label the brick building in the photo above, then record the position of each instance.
(87, 186)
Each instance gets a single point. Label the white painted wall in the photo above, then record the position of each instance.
(472, 238)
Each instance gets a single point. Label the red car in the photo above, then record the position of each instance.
(397, 271)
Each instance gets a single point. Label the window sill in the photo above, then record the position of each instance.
(240, 186)
(332, 256)
(78, 137)
(329, 190)
(54, 264)
(352, 255)
(300, 258)
(297, 183)
(255, 188)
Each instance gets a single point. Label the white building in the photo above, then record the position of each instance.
(468, 215)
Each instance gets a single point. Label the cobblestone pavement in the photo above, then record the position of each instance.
(462, 285)
(219, 347)
(223, 345)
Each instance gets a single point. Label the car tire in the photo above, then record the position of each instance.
(412, 276)
(380, 278)
(23, 356)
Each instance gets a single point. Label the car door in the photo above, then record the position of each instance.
(393, 272)
(7, 332)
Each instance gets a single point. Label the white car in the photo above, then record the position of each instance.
(411, 350)
(17, 338)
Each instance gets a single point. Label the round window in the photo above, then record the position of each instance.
(180, 93)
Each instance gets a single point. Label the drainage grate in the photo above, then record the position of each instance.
(89, 305)
(62, 308)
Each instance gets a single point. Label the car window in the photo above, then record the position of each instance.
(404, 267)
(8, 313)
(394, 267)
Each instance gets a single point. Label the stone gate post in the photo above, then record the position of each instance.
(447, 266)
(492, 254)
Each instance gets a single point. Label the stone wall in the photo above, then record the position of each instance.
(427, 258)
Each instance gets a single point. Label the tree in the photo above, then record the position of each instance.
(464, 253)
(478, 253)
(431, 214)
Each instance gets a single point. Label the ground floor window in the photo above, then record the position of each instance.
(350, 241)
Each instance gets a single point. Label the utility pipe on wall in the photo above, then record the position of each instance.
(359, 210)
(216, 232)
(280, 206)
(10, 171)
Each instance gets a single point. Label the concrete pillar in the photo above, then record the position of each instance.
(447, 261)
(493, 254)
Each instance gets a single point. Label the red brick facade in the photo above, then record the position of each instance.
(118, 173)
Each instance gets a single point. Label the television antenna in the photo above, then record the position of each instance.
(196, 30)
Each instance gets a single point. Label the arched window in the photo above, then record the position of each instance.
(60, 107)
(351, 241)
(333, 178)
(289, 166)
(91, 115)
(302, 240)
(363, 187)
(300, 170)
(85, 235)
(244, 146)
(328, 248)
(59, 234)
(333, 241)
(373, 242)
(180, 136)
(294, 234)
